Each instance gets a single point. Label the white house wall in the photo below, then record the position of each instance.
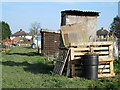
(37, 40)
(28, 37)
(11, 38)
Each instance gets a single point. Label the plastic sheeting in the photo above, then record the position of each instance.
(115, 49)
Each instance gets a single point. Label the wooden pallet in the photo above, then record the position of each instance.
(60, 62)
(105, 51)
(77, 70)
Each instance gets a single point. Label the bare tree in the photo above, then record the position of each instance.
(35, 28)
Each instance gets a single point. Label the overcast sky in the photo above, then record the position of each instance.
(20, 15)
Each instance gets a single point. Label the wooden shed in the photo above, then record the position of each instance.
(78, 38)
(50, 41)
(86, 21)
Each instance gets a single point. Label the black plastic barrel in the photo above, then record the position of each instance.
(90, 67)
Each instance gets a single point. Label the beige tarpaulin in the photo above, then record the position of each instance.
(74, 33)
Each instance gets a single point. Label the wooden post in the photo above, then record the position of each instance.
(73, 70)
(111, 50)
(91, 49)
(68, 66)
(72, 54)
(111, 67)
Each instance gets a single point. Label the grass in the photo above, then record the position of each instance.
(23, 68)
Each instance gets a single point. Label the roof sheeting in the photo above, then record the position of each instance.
(51, 31)
(80, 13)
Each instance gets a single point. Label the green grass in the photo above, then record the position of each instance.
(23, 68)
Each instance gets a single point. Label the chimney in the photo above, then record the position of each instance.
(102, 28)
(20, 29)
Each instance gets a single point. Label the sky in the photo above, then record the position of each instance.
(119, 9)
(20, 15)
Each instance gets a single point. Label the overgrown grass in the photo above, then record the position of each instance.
(23, 68)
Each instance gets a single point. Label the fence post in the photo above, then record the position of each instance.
(72, 53)
(111, 50)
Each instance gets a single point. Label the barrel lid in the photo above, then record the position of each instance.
(91, 54)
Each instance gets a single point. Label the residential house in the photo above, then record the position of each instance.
(20, 35)
(102, 34)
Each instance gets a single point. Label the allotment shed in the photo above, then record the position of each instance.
(50, 41)
(87, 18)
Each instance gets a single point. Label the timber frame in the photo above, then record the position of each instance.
(71, 61)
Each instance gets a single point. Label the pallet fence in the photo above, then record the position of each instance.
(103, 49)
(77, 50)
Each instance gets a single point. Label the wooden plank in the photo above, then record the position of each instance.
(81, 49)
(111, 50)
(72, 33)
(105, 58)
(79, 53)
(91, 43)
(83, 53)
(73, 69)
(106, 75)
(101, 58)
(103, 66)
(72, 53)
(78, 67)
(76, 58)
(102, 52)
(103, 70)
(91, 49)
(111, 67)
(68, 67)
(100, 48)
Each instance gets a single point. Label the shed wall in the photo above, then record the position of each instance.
(91, 22)
(50, 43)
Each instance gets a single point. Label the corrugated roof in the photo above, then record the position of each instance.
(52, 31)
(81, 13)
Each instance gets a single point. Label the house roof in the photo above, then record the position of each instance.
(80, 13)
(21, 33)
(102, 32)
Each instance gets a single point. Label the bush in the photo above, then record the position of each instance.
(117, 66)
